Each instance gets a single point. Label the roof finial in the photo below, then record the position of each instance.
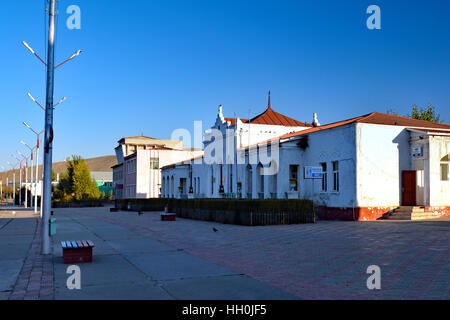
(269, 101)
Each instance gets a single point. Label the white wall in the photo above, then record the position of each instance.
(439, 147)
(337, 144)
(383, 152)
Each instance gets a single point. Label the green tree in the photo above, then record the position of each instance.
(428, 114)
(76, 182)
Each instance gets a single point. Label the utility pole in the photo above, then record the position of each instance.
(26, 180)
(46, 196)
(48, 140)
(20, 181)
(37, 168)
(1, 186)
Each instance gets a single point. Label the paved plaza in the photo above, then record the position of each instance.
(141, 257)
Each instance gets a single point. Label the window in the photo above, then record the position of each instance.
(212, 180)
(445, 162)
(131, 166)
(335, 175)
(324, 176)
(293, 177)
(154, 163)
(230, 182)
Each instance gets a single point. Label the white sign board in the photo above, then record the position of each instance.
(313, 173)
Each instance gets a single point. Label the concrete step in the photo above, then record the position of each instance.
(394, 217)
(410, 209)
(423, 216)
(401, 214)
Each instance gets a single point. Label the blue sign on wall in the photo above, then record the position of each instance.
(313, 173)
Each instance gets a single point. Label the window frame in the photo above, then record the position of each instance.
(324, 186)
(335, 176)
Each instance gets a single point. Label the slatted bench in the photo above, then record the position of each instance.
(168, 216)
(77, 251)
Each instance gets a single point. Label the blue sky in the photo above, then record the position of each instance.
(149, 67)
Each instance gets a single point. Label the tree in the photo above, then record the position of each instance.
(392, 111)
(428, 114)
(76, 182)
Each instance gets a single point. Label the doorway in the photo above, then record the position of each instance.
(409, 184)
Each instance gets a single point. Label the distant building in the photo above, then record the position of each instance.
(138, 171)
(104, 180)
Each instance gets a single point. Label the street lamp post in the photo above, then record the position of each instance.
(31, 174)
(14, 181)
(1, 187)
(37, 166)
(6, 193)
(20, 180)
(26, 178)
(48, 133)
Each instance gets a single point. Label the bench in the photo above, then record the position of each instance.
(77, 251)
(168, 216)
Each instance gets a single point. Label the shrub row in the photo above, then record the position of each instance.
(78, 204)
(234, 211)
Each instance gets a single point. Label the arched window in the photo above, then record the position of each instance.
(445, 162)
(260, 180)
(248, 179)
(212, 179)
(172, 188)
(273, 179)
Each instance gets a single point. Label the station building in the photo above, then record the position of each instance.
(365, 166)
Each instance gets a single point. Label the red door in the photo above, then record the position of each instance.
(408, 188)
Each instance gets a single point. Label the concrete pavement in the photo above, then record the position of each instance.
(129, 265)
(141, 257)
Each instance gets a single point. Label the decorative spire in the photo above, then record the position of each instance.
(268, 106)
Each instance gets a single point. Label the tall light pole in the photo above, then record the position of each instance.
(48, 140)
(14, 181)
(24, 158)
(31, 173)
(48, 133)
(20, 180)
(37, 166)
(7, 185)
(1, 187)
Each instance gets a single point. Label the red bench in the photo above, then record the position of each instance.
(77, 251)
(168, 216)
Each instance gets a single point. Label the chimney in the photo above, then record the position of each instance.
(315, 122)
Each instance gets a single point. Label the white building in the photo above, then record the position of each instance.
(138, 172)
(371, 164)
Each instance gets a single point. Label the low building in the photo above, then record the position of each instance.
(138, 172)
(356, 169)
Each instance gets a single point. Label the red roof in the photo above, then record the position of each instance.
(375, 118)
(271, 117)
(274, 118)
(389, 119)
(434, 131)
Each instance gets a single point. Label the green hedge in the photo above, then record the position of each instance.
(233, 211)
(78, 204)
